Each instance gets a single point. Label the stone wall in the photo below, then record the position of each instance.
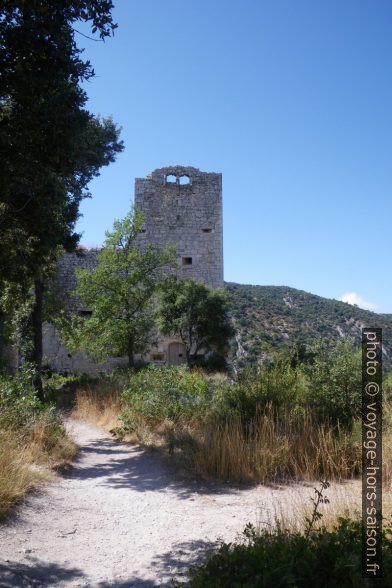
(187, 215)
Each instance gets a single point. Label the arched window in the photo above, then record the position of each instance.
(171, 179)
(184, 180)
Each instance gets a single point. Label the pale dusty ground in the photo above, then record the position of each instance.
(120, 518)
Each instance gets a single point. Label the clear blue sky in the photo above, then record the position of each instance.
(290, 100)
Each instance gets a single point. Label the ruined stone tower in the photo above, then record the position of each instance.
(183, 206)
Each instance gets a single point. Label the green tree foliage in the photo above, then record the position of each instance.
(197, 314)
(335, 382)
(120, 293)
(50, 145)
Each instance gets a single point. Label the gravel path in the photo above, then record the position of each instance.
(120, 518)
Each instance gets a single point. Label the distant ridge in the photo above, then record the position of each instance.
(268, 318)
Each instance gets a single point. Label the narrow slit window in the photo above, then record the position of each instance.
(187, 261)
(207, 230)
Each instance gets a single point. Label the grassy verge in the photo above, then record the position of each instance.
(33, 441)
(285, 421)
(272, 447)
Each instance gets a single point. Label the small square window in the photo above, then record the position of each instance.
(187, 261)
(85, 313)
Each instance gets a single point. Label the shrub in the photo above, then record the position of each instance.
(280, 558)
(257, 428)
(154, 395)
(279, 386)
(335, 383)
(19, 405)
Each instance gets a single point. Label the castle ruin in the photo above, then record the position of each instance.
(181, 206)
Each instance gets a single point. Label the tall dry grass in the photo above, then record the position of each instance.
(99, 405)
(28, 456)
(16, 475)
(275, 448)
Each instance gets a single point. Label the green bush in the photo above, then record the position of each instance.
(278, 386)
(325, 379)
(20, 409)
(60, 389)
(154, 395)
(19, 405)
(335, 383)
(329, 386)
(325, 558)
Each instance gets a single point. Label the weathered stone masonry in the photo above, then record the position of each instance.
(181, 205)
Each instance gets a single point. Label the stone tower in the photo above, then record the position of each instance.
(183, 206)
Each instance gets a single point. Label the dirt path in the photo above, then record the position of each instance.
(118, 518)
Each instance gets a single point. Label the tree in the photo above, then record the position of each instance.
(335, 379)
(45, 132)
(50, 145)
(195, 313)
(120, 292)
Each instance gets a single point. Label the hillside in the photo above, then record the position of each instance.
(268, 318)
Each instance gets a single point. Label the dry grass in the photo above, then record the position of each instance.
(26, 459)
(345, 500)
(16, 475)
(275, 449)
(291, 447)
(98, 405)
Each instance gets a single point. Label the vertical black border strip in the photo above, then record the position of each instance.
(372, 452)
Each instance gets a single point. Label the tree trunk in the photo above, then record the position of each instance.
(37, 335)
(188, 356)
(131, 359)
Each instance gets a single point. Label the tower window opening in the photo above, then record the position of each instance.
(171, 179)
(207, 230)
(187, 261)
(184, 180)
